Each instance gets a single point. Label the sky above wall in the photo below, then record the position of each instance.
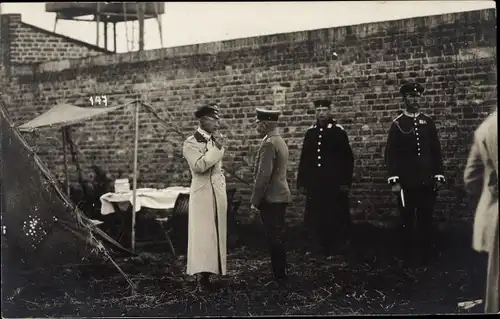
(187, 23)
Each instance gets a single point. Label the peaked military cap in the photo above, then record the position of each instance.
(322, 103)
(267, 115)
(414, 89)
(210, 110)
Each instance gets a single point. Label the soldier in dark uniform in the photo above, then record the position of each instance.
(325, 177)
(415, 167)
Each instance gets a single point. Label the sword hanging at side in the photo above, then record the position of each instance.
(402, 198)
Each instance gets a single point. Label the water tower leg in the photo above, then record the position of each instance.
(105, 34)
(114, 36)
(141, 26)
(55, 23)
(98, 22)
(97, 18)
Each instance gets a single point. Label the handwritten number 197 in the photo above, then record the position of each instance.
(98, 100)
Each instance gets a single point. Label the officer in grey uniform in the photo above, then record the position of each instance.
(271, 193)
(415, 167)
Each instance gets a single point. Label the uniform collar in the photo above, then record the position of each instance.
(405, 112)
(272, 133)
(328, 124)
(204, 133)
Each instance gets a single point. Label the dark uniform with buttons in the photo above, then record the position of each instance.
(413, 159)
(326, 163)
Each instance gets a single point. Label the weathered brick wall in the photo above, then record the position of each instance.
(452, 55)
(23, 43)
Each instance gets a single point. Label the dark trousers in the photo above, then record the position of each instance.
(273, 218)
(416, 221)
(344, 212)
(328, 215)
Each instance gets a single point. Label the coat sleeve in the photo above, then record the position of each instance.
(437, 161)
(348, 160)
(474, 171)
(303, 164)
(199, 161)
(391, 154)
(263, 176)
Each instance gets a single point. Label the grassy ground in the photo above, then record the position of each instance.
(365, 280)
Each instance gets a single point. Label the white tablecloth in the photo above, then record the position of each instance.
(145, 197)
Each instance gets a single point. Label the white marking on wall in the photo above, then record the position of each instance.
(279, 97)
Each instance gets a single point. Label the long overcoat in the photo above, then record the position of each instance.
(207, 230)
(326, 162)
(481, 182)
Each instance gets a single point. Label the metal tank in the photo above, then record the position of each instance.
(108, 12)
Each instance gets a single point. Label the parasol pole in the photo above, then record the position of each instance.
(136, 146)
(66, 173)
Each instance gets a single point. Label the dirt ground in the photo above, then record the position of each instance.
(366, 279)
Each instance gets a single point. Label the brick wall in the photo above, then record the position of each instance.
(23, 43)
(452, 55)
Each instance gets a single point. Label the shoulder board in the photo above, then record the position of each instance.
(340, 127)
(311, 127)
(428, 118)
(398, 117)
(190, 138)
(268, 141)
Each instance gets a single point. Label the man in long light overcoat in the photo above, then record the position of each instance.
(481, 181)
(207, 226)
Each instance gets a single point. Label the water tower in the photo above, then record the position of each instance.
(109, 12)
